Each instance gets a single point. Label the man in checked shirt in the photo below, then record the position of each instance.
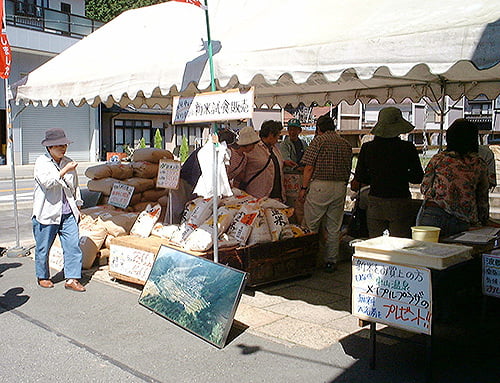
(328, 161)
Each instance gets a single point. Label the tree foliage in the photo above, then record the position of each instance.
(184, 149)
(106, 10)
(158, 140)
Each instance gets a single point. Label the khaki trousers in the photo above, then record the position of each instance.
(325, 204)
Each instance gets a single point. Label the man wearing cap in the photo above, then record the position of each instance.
(388, 164)
(56, 202)
(292, 147)
(328, 161)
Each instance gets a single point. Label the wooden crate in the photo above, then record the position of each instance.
(265, 262)
(273, 261)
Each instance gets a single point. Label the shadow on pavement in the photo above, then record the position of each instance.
(12, 299)
(7, 266)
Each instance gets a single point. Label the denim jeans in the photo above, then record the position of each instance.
(435, 216)
(68, 234)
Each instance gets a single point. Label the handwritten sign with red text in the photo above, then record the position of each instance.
(169, 172)
(120, 195)
(491, 275)
(396, 295)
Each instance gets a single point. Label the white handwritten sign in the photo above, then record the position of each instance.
(213, 106)
(169, 173)
(130, 262)
(120, 195)
(491, 275)
(396, 295)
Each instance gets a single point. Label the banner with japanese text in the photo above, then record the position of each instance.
(213, 106)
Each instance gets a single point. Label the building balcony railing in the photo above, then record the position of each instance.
(31, 16)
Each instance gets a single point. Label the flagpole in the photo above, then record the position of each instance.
(17, 250)
(215, 202)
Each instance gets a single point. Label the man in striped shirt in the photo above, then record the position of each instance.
(328, 161)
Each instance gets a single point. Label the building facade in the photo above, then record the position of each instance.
(39, 30)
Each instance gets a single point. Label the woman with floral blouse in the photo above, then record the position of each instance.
(455, 183)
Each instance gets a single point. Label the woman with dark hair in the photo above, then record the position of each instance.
(455, 184)
(263, 173)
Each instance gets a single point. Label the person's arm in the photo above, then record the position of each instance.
(428, 178)
(415, 171)
(482, 197)
(306, 180)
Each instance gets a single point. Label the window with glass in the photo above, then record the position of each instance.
(193, 134)
(129, 133)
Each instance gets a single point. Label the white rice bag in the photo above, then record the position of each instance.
(276, 220)
(260, 231)
(164, 231)
(145, 221)
(241, 227)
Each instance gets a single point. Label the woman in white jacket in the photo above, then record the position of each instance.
(56, 202)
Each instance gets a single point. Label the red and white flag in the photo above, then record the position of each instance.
(194, 2)
(5, 56)
(5, 52)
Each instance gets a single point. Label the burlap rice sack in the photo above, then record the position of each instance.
(103, 185)
(117, 224)
(121, 171)
(154, 195)
(145, 169)
(91, 241)
(140, 184)
(151, 155)
(98, 172)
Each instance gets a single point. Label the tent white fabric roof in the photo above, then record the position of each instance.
(291, 52)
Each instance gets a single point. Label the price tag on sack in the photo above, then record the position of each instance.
(120, 195)
(169, 173)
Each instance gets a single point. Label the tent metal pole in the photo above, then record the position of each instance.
(17, 250)
(442, 106)
(215, 202)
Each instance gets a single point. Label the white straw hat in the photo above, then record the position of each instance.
(247, 136)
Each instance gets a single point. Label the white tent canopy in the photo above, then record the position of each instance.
(291, 52)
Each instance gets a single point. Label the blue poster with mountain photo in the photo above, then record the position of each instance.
(195, 293)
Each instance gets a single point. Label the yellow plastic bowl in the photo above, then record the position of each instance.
(425, 233)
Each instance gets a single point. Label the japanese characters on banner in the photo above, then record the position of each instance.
(169, 173)
(213, 106)
(491, 275)
(396, 295)
(120, 195)
(5, 56)
(5, 51)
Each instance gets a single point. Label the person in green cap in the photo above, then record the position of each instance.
(388, 164)
(292, 147)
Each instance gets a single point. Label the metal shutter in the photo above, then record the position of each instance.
(34, 121)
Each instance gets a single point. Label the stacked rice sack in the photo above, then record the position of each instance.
(243, 220)
(141, 173)
(97, 226)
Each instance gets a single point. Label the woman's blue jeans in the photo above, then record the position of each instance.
(68, 234)
(435, 216)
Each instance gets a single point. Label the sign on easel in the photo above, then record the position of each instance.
(396, 295)
(491, 275)
(120, 195)
(169, 173)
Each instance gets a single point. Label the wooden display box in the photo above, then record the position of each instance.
(131, 258)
